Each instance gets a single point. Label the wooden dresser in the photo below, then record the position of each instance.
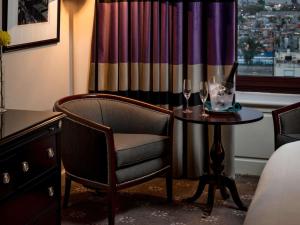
(29, 168)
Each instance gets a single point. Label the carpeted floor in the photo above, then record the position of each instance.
(146, 205)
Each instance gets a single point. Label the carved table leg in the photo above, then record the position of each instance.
(203, 180)
(217, 180)
(217, 153)
(234, 193)
(211, 197)
(224, 192)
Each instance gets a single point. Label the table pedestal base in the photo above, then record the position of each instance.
(217, 182)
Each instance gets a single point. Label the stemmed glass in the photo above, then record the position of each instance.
(203, 96)
(187, 90)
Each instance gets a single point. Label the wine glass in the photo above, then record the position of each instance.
(187, 90)
(203, 96)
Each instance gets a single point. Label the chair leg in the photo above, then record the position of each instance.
(169, 185)
(67, 190)
(112, 198)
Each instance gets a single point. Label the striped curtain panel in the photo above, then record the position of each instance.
(144, 50)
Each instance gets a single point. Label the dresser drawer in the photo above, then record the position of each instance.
(27, 163)
(33, 205)
(37, 157)
(30, 167)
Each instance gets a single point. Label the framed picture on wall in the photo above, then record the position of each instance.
(31, 23)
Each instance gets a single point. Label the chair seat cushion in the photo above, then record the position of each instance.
(139, 170)
(136, 148)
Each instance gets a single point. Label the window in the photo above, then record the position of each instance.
(268, 45)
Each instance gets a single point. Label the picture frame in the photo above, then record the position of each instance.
(31, 23)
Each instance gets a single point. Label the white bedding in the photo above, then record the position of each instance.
(277, 197)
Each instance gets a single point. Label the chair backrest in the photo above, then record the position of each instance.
(121, 114)
(124, 117)
(290, 121)
(287, 119)
(87, 108)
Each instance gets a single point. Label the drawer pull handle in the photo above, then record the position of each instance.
(25, 167)
(50, 153)
(6, 178)
(51, 191)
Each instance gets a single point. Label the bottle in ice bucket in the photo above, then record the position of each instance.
(222, 92)
(230, 80)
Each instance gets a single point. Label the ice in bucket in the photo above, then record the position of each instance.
(221, 95)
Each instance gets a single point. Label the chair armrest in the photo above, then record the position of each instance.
(87, 148)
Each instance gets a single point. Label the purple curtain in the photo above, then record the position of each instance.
(144, 49)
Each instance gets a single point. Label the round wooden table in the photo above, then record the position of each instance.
(217, 180)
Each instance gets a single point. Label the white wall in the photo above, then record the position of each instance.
(81, 17)
(35, 78)
(254, 143)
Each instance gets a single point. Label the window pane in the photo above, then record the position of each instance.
(269, 38)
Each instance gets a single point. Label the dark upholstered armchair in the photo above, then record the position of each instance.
(111, 142)
(286, 124)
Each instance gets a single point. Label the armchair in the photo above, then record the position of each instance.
(111, 142)
(286, 124)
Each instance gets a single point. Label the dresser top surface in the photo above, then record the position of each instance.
(15, 122)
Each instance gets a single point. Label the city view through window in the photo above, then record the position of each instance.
(269, 38)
